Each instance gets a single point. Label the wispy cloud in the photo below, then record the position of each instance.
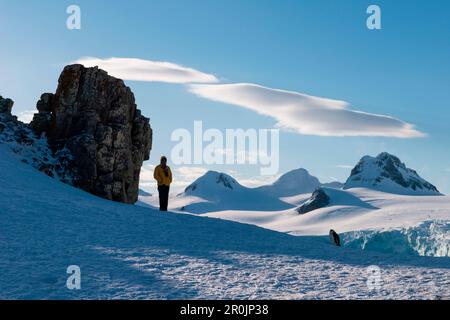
(26, 116)
(344, 166)
(302, 113)
(306, 114)
(189, 174)
(148, 70)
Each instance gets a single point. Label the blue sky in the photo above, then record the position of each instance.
(319, 48)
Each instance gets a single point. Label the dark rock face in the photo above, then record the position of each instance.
(6, 105)
(7, 120)
(319, 199)
(94, 116)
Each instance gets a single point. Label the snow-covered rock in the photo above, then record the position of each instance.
(323, 197)
(219, 191)
(30, 149)
(387, 173)
(319, 199)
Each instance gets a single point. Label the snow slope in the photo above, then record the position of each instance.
(133, 252)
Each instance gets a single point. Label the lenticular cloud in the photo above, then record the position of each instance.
(148, 70)
(306, 114)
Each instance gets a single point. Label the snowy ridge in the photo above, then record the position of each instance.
(292, 183)
(295, 182)
(218, 191)
(387, 173)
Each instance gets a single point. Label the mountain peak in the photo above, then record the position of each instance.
(294, 182)
(213, 179)
(219, 191)
(388, 173)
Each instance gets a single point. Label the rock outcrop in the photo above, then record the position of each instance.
(6, 105)
(30, 149)
(94, 116)
(331, 197)
(319, 199)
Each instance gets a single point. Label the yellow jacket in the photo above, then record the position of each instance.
(162, 178)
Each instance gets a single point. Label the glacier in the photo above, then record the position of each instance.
(430, 238)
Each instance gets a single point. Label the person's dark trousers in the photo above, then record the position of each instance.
(163, 197)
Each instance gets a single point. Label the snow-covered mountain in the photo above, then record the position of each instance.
(292, 183)
(387, 173)
(218, 191)
(295, 182)
(213, 183)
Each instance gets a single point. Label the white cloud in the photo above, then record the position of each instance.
(190, 174)
(249, 156)
(306, 114)
(254, 182)
(26, 116)
(182, 177)
(146, 176)
(147, 70)
(344, 166)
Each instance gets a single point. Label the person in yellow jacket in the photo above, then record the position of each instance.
(163, 175)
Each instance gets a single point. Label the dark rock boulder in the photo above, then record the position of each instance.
(94, 116)
(41, 121)
(6, 105)
(6, 116)
(319, 199)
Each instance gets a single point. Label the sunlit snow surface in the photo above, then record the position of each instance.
(134, 252)
(366, 219)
